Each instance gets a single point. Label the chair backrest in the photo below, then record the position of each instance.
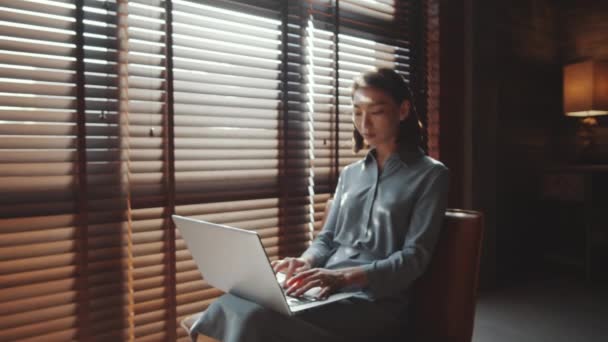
(444, 296)
(443, 307)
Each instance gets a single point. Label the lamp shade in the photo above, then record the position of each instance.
(586, 88)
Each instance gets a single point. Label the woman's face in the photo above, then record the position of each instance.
(377, 116)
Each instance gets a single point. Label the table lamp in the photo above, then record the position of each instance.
(586, 96)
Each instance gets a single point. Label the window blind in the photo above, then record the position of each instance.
(106, 196)
(144, 107)
(40, 244)
(237, 148)
(114, 114)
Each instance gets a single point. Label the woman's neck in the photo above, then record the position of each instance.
(383, 151)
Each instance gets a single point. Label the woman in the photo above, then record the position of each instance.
(378, 238)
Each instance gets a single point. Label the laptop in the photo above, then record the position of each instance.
(234, 261)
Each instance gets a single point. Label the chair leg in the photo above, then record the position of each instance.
(187, 324)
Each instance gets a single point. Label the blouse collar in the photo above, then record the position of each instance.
(407, 155)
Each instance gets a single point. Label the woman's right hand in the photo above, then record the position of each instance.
(291, 266)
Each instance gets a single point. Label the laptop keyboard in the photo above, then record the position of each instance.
(300, 300)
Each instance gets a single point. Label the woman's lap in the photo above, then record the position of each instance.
(232, 319)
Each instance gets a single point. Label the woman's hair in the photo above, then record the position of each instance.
(411, 130)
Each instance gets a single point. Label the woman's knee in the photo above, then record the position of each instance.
(256, 318)
(246, 314)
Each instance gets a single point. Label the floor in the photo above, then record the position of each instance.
(554, 308)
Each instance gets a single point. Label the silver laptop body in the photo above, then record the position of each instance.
(234, 261)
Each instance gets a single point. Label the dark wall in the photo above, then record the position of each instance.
(583, 29)
(502, 123)
(482, 115)
(527, 44)
(468, 114)
(528, 108)
(452, 91)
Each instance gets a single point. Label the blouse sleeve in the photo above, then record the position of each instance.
(399, 270)
(324, 246)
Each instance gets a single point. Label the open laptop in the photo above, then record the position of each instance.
(234, 261)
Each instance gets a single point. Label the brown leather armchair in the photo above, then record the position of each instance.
(444, 297)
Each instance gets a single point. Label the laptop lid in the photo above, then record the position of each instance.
(233, 260)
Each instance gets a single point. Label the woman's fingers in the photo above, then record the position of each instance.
(303, 287)
(300, 280)
(291, 269)
(301, 276)
(325, 292)
(279, 265)
(301, 269)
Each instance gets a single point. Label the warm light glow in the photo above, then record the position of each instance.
(586, 89)
(588, 113)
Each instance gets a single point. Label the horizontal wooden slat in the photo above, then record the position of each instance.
(248, 48)
(39, 327)
(37, 263)
(204, 88)
(46, 314)
(62, 335)
(152, 332)
(36, 302)
(224, 77)
(228, 33)
(189, 63)
(198, 11)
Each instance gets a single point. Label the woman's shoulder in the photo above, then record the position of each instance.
(434, 166)
(353, 166)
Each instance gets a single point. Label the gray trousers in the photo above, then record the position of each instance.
(233, 319)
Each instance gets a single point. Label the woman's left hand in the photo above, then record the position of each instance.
(328, 280)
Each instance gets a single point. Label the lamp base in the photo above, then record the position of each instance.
(588, 150)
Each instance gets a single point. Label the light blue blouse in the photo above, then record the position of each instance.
(386, 222)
